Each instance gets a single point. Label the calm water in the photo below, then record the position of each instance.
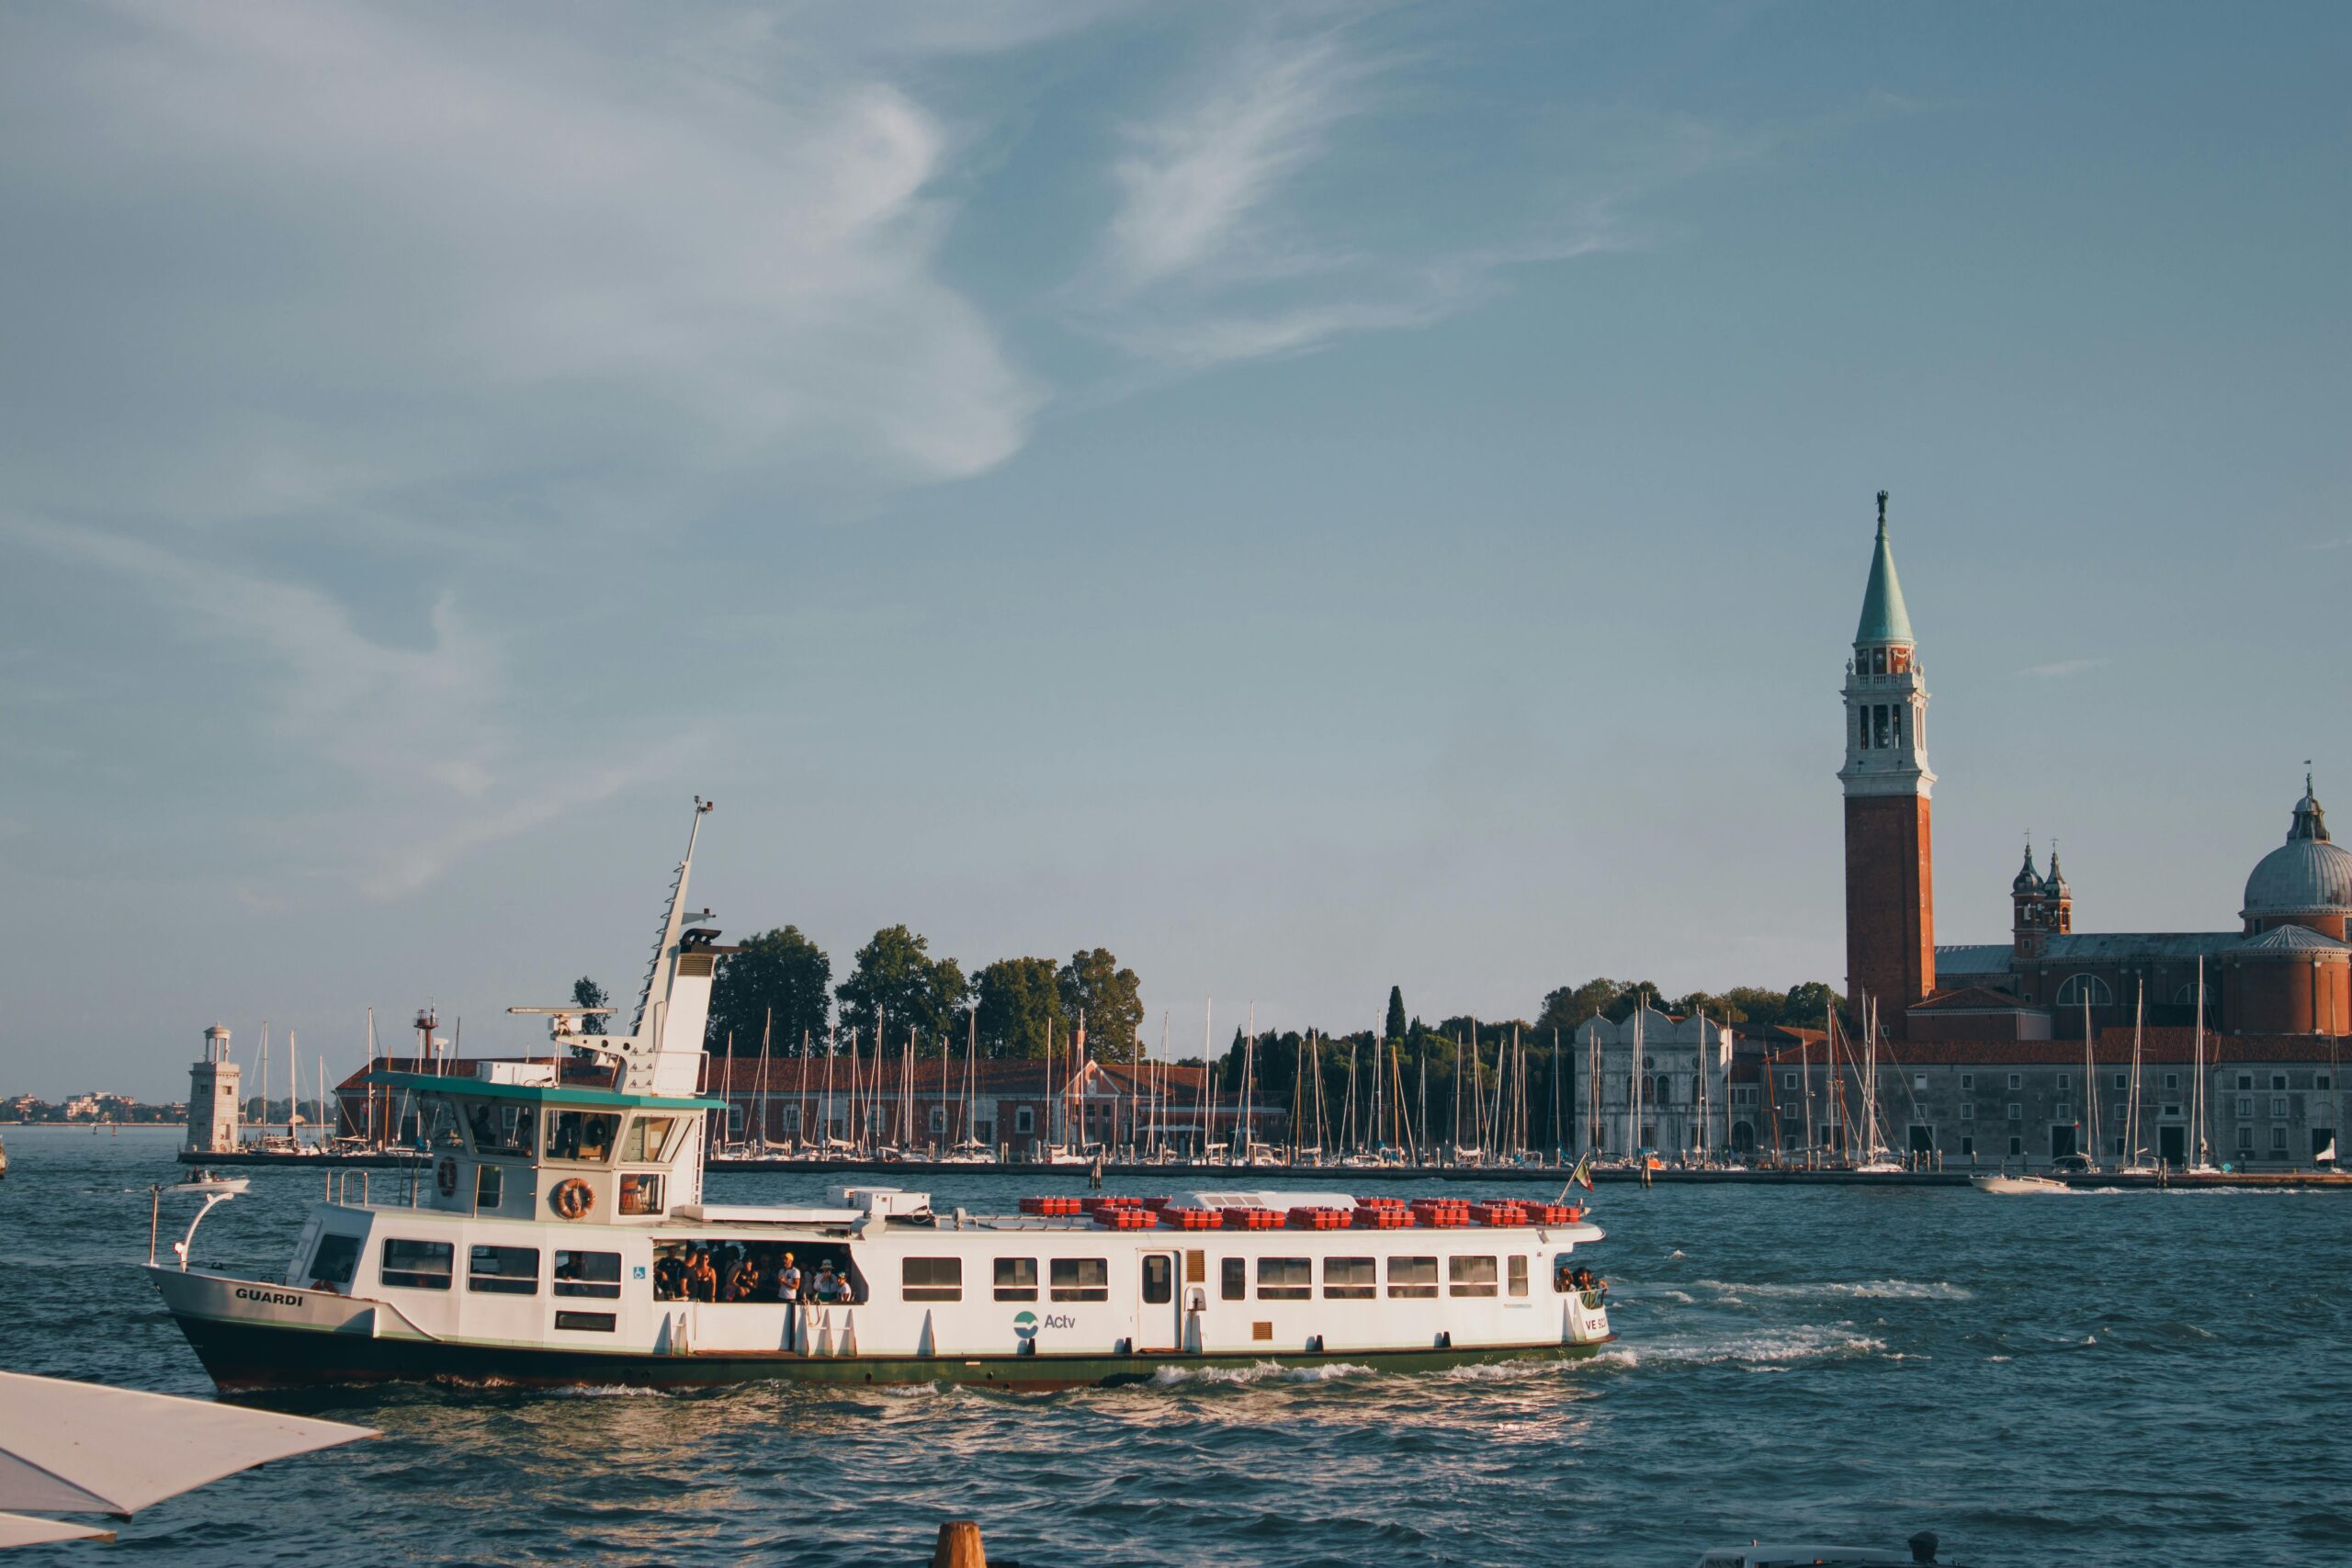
(2091, 1378)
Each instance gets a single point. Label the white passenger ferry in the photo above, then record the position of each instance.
(558, 1234)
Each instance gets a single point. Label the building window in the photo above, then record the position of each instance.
(2078, 988)
(1863, 730)
(1024, 1120)
(1878, 728)
(1968, 1148)
(2172, 1080)
(2063, 1111)
(1967, 1111)
(1788, 1080)
(2319, 1080)
(1788, 1112)
(2121, 1081)
(2278, 1080)
(2017, 1146)
(2017, 1080)
(2277, 1105)
(2172, 1111)
(2017, 1112)
(1919, 1082)
(2245, 1080)
(2246, 1105)
(2065, 1081)
(2278, 1139)
(2245, 1140)
(939, 1119)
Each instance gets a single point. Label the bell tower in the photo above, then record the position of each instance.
(1890, 855)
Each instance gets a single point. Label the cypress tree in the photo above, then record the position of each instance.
(1394, 1028)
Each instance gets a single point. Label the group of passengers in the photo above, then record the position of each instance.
(729, 1271)
(1568, 1276)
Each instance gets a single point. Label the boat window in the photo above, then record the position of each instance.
(588, 1274)
(1412, 1276)
(1081, 1280)
(333, 1260)
(1016, 1279)
(753, 1272)
(1233, 1284)
(418, 1265)
(1159, 1279)
(502, 1271)
(1285, 1278)
(932, 1279)
(440, 1124)
(1518, 1275)
(582, 1135)
(1470, 1276)
(1023, 1120)
(594, 1322)
(502, 1129)
(1350, 1278)
(640, 1192)
(647, 1137)
(490, 1181)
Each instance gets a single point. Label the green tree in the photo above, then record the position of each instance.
(897, 980)
(586, 993)
(1394, 1028)
(1017, 1000)
(780, 970)
(1805, 1003)
(1094, 988)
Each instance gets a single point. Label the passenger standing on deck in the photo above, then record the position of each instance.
(788, 1281)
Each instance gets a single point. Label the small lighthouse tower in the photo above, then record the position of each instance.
(214, 1110)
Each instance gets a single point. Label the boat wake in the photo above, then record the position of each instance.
(1758, 1350)
(1263, 1372)
(1857, 1289)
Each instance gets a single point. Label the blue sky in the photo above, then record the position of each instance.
(1311, 498)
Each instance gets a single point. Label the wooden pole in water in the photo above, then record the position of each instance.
(959, 1546)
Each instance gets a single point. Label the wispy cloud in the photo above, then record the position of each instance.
(1195, 179)
(618, 257)
(2061, 667)
(439, 754)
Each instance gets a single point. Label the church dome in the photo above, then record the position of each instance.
(2308, 874)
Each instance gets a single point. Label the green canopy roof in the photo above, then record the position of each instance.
(1884, 619)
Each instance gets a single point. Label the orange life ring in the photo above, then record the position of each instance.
(572, 1198)
(445, 1176)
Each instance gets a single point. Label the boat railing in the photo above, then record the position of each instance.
(339, 1184)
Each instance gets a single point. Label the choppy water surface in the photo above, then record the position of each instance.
(2086, 1377)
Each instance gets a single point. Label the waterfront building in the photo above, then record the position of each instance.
(1684, 1071)
(1983, 1044)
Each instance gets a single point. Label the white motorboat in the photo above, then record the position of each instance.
(558, 1234)
(2016, 1185)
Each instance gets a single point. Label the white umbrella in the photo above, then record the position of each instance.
(79, 1447)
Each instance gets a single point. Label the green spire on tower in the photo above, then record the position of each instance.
(1884, 619)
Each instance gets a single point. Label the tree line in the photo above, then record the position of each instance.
(779, 985)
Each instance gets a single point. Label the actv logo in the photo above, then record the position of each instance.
(1024, 1324)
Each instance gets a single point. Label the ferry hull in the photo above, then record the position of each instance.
(250, 1357)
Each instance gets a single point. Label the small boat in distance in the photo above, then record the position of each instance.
(2013, 1186)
